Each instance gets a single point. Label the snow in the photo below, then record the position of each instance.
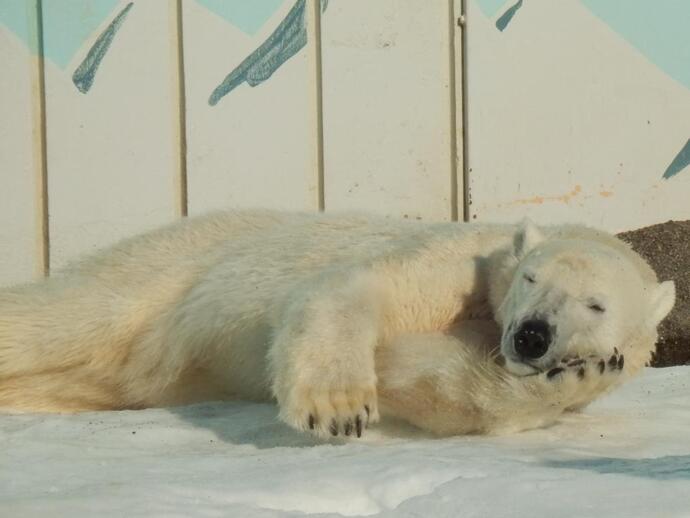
(627, 455)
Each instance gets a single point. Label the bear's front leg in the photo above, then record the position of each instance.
(537, 400)
(322, 358)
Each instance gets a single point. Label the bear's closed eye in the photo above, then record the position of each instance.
(598, 308)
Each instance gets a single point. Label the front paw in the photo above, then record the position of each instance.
(331, 411)
(591, 366)
(585, 378)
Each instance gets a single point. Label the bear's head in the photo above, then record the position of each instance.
(574, 291)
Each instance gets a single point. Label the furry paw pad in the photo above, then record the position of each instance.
(329, 413)
(587, 368)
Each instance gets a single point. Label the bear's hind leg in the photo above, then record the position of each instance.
(59, 391)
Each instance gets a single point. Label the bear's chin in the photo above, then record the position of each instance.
(520, 369)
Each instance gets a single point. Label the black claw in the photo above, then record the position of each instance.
(554, 372)
(602, 366)
(581, 373)
(333, 428)
(613, 362)
(358, 426)
(621, 362)
(348, 427)
(311, 422)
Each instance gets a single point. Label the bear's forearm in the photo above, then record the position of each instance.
(438, 383)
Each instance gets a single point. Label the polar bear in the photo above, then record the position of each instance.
(457, 328)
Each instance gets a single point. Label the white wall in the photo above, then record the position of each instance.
(574, 112)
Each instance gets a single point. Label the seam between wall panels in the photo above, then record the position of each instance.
(41, 148)
(316, 95)
(452, 69)
(183, 190)
(466, 195)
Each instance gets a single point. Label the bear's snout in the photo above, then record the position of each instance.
(532, 339)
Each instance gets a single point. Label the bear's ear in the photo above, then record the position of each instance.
(662, 301)
(528, 236)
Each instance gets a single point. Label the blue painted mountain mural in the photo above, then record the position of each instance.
(659, 30)
(70, 23)
(248, 16)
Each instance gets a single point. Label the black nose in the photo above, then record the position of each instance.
(532, 340)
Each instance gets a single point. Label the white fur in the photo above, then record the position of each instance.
(333, 316)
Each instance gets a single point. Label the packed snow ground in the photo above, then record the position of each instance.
(627, 455)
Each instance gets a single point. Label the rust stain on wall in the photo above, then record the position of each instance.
(538, 200)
